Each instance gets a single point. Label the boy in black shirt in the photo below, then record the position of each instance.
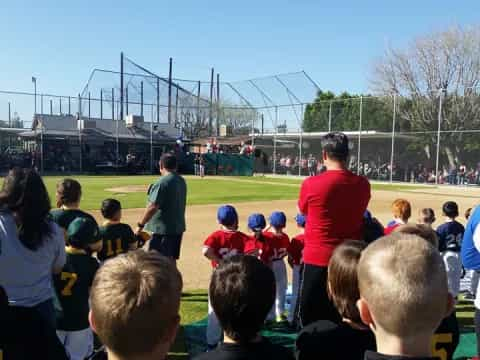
(72, 286)
(403, 296)
(117, 238)
(242, 292)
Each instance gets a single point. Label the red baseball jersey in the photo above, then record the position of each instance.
(226, 243)
(274, 247)
(295, 250)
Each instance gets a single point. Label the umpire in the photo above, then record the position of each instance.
(164, 216)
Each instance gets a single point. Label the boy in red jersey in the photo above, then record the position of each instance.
(278, 242)
(222, 244)
(295, 259)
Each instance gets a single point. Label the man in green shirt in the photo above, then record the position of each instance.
(164, 216)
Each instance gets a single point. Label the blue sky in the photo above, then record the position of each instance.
(335, 42)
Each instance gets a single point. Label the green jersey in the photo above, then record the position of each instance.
(169, 193)
(117, 239)
(63, 217)
(72, 286)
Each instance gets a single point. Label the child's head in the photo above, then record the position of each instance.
(111, 209)
(228, 217)
(82, 233)
(426, 216)
(468, 212)
(256, 224)
(343, 280)
(401, 209)
(242, 292)
(424, 231)
(301, 220)
(134, 302)
(403, 287)
(69, 192)
(450, 209)
(278, 220)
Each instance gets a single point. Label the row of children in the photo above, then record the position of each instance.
(270, 244)
(87, 246)
(392, 296)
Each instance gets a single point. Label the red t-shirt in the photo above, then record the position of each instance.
(295, 250)
(273, 247)
(226, 243)
(389, 229)
(334, 203)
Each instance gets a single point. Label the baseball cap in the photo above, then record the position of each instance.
(300, 220)
(256, 222)
(278, 219)
(227, 215)
(82, 232)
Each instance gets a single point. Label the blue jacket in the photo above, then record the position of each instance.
(470, 255)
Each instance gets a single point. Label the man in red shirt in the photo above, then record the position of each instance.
(334, 203)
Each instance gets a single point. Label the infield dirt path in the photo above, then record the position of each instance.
(201, 221)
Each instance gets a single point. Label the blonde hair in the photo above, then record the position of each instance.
(135, 300)
(402, 209)
(421, 230)
(402, 279)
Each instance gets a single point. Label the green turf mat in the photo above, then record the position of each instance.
(195, 342)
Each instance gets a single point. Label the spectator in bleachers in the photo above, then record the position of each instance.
(350, 338)
(32, 246)
(135, 302)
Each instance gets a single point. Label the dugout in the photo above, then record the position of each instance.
(63, 143)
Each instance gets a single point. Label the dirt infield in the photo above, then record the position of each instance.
(201, 220)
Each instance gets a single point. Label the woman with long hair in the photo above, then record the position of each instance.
(32, 246)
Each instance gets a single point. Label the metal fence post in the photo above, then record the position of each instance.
(440, 103)
(393, 136)
(151, 138)
(51, 107)
(60, 103)
(359, 135)
(89, 100)
(79, 117)
(300, 145)
(41, 103)
(101, 104)
(275, 142)
(69, 106)
(330, 117)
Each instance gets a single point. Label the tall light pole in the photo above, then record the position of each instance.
(34, 81)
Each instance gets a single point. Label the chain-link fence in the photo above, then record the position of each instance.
(422, 138)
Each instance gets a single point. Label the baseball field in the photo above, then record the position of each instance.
(248, 195)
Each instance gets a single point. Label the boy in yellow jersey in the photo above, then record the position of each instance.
(72, 287)
(117, 238)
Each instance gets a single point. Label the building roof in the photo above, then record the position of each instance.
(68, 126)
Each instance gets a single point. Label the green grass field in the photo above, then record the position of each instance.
(200, 191)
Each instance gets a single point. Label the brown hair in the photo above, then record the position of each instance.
(69, 191)
(402, 209)
(135, 301)
(343, 280)
(402, 279)
(421, 230)
(426, 216)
